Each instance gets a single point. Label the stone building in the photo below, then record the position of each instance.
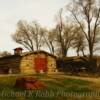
(28, 63)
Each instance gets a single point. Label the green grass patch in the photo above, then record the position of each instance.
(75, 81)
(55, 89)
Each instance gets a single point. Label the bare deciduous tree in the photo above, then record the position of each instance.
(79, 42)
(50, 40)
(29, 35)
(65, 34)
(87, 11)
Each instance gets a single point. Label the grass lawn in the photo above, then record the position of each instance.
(57, 87)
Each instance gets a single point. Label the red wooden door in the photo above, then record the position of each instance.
(40, 64)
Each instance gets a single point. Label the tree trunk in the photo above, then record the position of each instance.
(83, 53)
(64, 52)
(77, 53)
(52, 47)
(90, 51)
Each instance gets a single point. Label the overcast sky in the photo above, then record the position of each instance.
(11, 11)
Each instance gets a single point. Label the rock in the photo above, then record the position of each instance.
(29, 83)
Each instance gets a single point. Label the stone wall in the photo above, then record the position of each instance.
(98, 61)
(25, 64)
(10, 64)
(51, 64)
